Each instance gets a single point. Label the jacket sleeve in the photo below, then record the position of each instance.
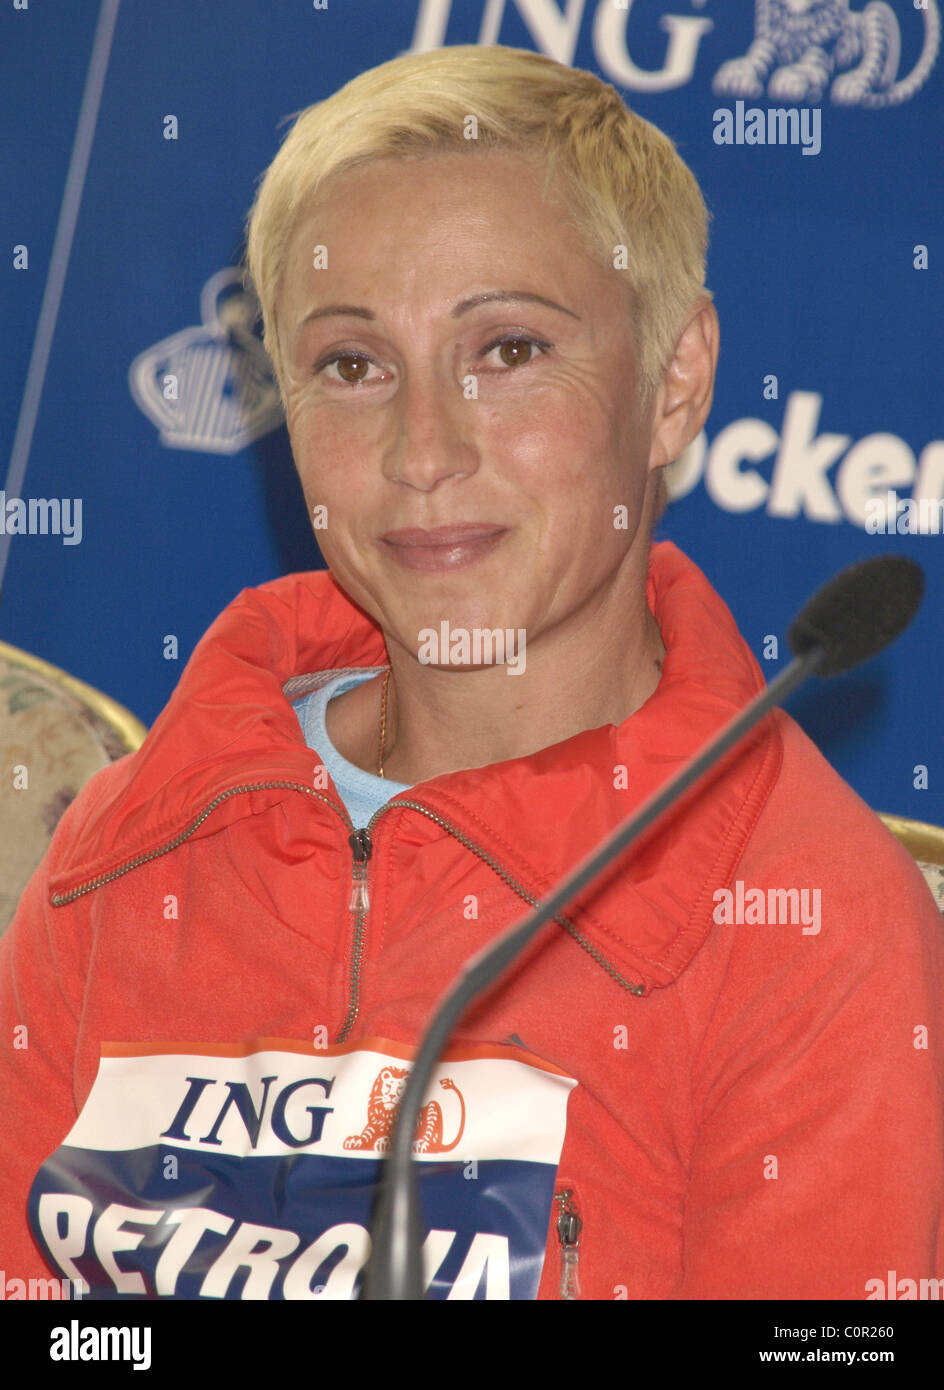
(43, 961)
(818, 1092)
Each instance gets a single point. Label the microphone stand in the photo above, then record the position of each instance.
(394, 1270)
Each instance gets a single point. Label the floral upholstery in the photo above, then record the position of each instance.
(934, 874)
(55, 732)
(925, 844)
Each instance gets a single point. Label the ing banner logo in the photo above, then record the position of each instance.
(800, 48)
(800, 44)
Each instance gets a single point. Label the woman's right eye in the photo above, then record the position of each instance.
(352, 367)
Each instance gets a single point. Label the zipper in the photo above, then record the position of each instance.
(522, 892)
(358, 906)
(359, 902)
(569, 1226)
(361, 848)
(61, 899)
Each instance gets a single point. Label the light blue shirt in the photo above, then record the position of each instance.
(362, 792)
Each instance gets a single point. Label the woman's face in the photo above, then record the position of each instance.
(461, 361)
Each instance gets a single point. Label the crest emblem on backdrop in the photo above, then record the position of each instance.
(210, 387)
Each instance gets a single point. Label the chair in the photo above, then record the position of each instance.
(55, 732)
(925, 844)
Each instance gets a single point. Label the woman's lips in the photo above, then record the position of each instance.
(443, 547)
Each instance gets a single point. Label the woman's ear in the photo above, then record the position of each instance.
(684, 397)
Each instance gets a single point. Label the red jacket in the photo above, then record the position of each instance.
(741, 1109)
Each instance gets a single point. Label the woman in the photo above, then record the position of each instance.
(482, 288)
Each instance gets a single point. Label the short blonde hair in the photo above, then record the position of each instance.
(629, 187)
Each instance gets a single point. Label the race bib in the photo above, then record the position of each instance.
(250, 1171)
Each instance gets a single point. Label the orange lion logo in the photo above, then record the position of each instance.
(385, 1096)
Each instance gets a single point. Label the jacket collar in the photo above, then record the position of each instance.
(229, 724)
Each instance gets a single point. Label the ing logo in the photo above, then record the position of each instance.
(799, 44)
(385, 1096)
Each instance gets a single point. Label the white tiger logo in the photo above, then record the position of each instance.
(799, 44)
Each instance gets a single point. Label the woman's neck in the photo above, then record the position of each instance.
(441, 720)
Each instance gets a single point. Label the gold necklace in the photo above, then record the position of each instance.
(383, 722)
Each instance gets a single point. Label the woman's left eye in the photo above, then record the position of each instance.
(516, 351)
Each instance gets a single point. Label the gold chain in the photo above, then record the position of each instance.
(383, 723)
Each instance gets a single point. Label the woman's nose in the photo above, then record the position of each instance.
(433, 434)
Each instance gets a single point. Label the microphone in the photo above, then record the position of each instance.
(847, 621)
(860, 611)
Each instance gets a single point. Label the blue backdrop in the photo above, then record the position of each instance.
(829, 385)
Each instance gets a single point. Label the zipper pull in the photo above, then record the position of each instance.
(569, 1226)
(361, 848)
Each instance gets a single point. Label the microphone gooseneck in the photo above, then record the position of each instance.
(848, 620)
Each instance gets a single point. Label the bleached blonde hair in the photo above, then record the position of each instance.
(627, 185)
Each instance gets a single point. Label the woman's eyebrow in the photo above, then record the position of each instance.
(492, 296)
(489, 297)
(329, 309)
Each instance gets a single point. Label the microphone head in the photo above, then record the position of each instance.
(858, 612)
